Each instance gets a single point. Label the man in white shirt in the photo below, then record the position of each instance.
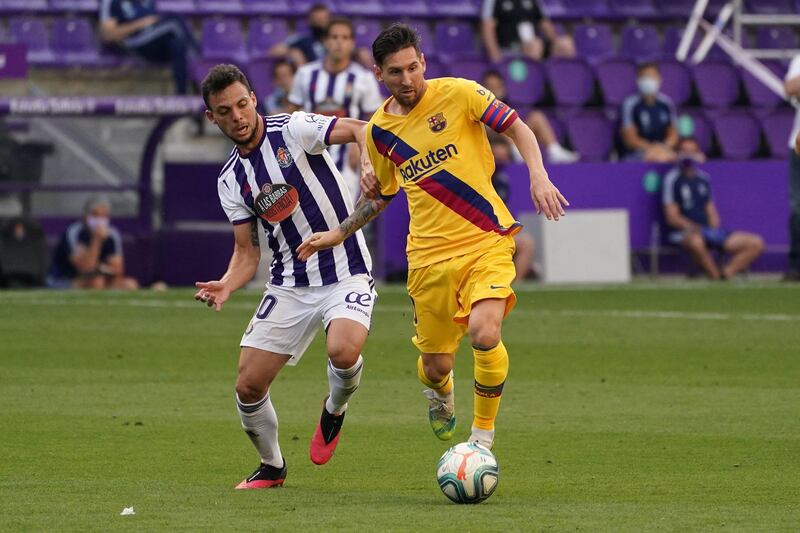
(336, 85)
(792, 87)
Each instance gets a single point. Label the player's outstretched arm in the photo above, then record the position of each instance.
(546, 197)
(347, 130)
(241, 269)
(365, 211)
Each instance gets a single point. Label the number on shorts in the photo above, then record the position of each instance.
(266, 306)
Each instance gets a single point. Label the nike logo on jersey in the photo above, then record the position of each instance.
(390, 150)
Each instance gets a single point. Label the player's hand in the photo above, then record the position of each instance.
(547, 198)
(212, 293)
(369, 183)
(319, 241)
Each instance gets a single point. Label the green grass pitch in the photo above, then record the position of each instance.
(638, 408)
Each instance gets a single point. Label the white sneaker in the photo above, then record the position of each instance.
(441, 414)
(484, 437)
(558, 154)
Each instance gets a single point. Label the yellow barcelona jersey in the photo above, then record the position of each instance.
(440, 156)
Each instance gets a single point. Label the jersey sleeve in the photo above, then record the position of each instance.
(668, 187)
(311, 131)
(482, 105)
(230, 199)
(379, 156)
(794, 68)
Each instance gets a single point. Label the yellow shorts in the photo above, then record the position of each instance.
(443, 293)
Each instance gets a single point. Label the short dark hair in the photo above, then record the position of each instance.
(220, 78)
(281, 62)
(339, 21)
(641, 67)
(393, 39)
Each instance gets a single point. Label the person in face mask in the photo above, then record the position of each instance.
(649, 130)
(302, 49)
(694, 221)
(89, 254)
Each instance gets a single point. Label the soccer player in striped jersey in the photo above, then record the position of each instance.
(336, 85)
(429, 139)
(280, 176)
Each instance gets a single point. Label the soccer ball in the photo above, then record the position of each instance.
(468, 473)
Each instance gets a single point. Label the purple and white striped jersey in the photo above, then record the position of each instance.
(352, 92)
(293, 151)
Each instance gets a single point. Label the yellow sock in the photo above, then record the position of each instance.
(491, 370)
(442, 387)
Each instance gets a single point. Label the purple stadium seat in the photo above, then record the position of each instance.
(594, 42)
(259, 74)
(23, 6)
(220, 7)
(469, 69)
(585, 8)
(776, 37)
(717, 83)
(361, 8)
(592, 135)
(634, 8)
(365, 31)
(223, 40)
(770, 7)
(264, 34)
(434, 69)
(739, 134)
(456, 40)
(559, 128)
(524, 81)
(32, 32)
(412, 8)
(455, 8)
(777, 127)
(267, 7)
(571, 80)
(183, 7)
(427, 40)
(676, 81)
(640, 43)
(85, 6)
(702, 131)
(74, 42)
(758, 93)
(617, 78)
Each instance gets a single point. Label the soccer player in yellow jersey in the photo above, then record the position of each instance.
(429, 139)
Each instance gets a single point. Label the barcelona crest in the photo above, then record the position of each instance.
(437, 122)
(284, 157)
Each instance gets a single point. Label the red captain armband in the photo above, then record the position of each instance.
(498, 116)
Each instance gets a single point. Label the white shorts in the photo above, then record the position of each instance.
(287, 318)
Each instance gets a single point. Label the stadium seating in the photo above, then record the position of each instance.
(676, 81)
(263, 34)
(617, 78)
(223, 40)
(717, 84)
(32, 32)
(594, 42)
(770, 7)
(365, 31)
(739, 134)
(640, 43)
(777, 127)
(456, 40)
(634, 8)
(524, 80)
(572, 81)
(758, 94)
(592, 135)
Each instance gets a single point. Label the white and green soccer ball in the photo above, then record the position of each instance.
(468, 473)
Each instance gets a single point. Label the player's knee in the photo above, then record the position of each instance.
(250, 391)
(344, 354)
(485, 334)
(694, 241)
(757, 244)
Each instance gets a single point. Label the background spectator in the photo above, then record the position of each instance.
(536, 120)
(89, 254)
(304, 48)
(792, 87)
(649, 119)
(282, 77)
(137, 27)
(523, 242)
(694, 221)
(520, 26)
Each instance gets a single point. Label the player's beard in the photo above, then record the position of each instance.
(250, 138)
